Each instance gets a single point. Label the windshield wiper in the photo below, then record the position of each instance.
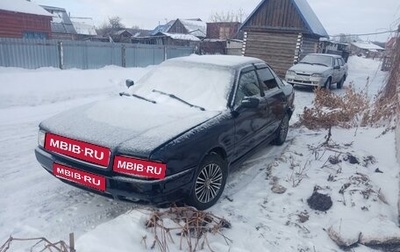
(179, 99)
(137, 96)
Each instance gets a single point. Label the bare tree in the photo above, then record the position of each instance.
(229, 16)
(113, 24)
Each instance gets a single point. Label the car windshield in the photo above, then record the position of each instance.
(317, 59)
(186, 84)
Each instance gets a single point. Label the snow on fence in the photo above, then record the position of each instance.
(34, 53)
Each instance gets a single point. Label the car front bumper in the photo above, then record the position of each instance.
(172, 188)
(306, 80)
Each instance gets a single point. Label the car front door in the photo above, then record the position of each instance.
(250, 123)
(336, 76)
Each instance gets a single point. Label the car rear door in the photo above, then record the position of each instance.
(274, 97)
(343, 67)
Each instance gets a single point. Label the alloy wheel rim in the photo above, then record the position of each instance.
(208, 183)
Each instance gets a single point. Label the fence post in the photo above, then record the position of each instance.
(165, 53)
(123, 55)
(60, 55)
(72, 242)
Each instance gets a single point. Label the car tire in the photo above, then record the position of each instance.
(328, 84)
(282, 131)
(340, 83)
(209, 182)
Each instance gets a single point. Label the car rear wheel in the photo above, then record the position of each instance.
(209, 182)
(340, 83)
(282, 131)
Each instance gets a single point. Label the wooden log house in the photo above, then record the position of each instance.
(23, 19)
(281, 32)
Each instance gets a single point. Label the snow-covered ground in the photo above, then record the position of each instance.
(364, 195)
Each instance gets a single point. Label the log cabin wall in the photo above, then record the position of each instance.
(277, 49)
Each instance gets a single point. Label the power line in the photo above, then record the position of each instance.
(363, 34)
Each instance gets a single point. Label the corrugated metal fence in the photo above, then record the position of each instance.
(28, 53)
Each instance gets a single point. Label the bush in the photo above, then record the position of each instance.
(333, 110)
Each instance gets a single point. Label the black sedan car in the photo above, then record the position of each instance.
(174, 135)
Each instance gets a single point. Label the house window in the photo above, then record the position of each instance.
(34, 35)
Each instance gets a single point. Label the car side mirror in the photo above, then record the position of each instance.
(129, 83)
(250, 102)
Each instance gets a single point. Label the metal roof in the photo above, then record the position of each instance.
(84, 25)
(310, 18)
(61, 22)
(197, 28)
(23, 6)
(162, 28)
(180, 36)
(367, 46)
(306, 13)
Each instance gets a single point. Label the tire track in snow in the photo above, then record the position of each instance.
(253, 167)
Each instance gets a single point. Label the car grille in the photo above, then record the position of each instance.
(302, 81)
(303, 74)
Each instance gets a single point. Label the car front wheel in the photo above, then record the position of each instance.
(328, 84)
(209, 182)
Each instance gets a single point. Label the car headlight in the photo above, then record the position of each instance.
(316, 75)
(41, 138)
(290, 72)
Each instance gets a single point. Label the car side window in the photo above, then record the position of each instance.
(248, 86)
(267, 79)
(337, 62)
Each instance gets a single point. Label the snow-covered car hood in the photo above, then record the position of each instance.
(308, 68)
(126, 124)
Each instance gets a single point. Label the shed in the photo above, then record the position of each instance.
(389, 54)
(168, 39)
(121, 36)
(281, 32)
(195, 27)
(367, 49)
(23, 19)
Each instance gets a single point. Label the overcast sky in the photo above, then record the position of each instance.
(337, 16)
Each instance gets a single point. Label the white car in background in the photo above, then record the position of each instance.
(318, 70)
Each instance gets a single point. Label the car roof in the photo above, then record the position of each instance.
(218, 60)
(326, 54)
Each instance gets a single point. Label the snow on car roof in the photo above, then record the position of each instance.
(325, 54)
(218, 60)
